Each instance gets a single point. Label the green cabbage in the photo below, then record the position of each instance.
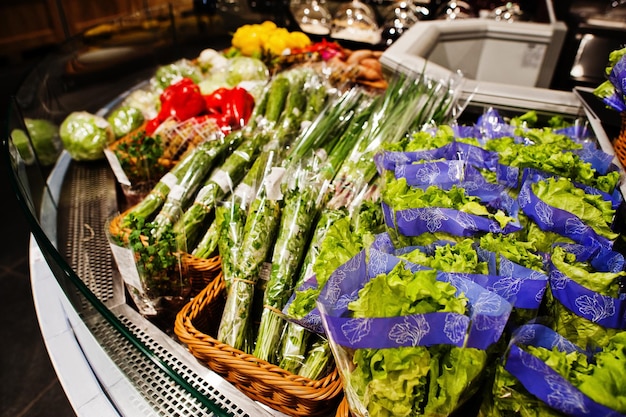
(244, 68)
(45, 140)
(124, 120)
(85, 135)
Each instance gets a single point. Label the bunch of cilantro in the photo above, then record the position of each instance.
(419, 380)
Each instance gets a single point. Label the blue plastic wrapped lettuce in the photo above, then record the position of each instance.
(408, 340)
(544, 374)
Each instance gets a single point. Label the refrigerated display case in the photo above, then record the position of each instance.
(110, 359)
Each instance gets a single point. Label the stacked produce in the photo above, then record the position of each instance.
(544, 374)
(493, 204)
(360, 227)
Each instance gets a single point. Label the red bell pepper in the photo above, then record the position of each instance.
(240, 106)
(180, 100)
(229, 108)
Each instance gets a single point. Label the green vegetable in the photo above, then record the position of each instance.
(139, 158)
(258, 236)
(44, 136)
(507, 397)
(552, 153)
(577, 329)
(419, 380)
(85, 135)
(181, 195)
(243, 68)
(460, 257)
(592, 209)
(223, 179)
(514, 249)
(278, 92)
(607, 89)
(602, 378)
(406, 105)
(209, 242)
(185, 168)
(158, 263)
(167, 75)
(338, 245)
(125, 119)
(318, 359)
(300, 208)
(229, 228)
(400, 196)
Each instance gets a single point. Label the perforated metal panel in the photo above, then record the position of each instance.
(88, 200)
(164, 395)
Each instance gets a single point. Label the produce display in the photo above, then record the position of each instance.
(439, 267)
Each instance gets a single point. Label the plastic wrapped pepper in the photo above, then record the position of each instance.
(181, 100)
(229, 108)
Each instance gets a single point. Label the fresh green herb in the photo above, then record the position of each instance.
(139, 157)
(157, 260)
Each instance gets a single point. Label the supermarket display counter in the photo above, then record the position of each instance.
(111, 360)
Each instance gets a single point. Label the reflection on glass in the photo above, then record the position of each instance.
(509, 12)
(400, 16)
(312, 16)
(453, 10)
(356, 21)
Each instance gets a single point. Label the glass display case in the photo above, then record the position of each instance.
(110, 359)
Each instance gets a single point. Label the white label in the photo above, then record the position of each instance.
(272, 183)
(245, 193)
(116, 167)
(169, 180)
(125, 260)
(222, 179)
(176, 193)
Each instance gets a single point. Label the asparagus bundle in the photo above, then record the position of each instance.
(258, 234)
(328, 141)
(285, 108)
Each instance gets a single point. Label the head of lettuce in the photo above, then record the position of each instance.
(85, 135)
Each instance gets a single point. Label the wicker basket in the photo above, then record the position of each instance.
(200, 271)
(619, 144)
(344, 409)
(258, 379)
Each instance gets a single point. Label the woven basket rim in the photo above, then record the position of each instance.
(186, 331)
